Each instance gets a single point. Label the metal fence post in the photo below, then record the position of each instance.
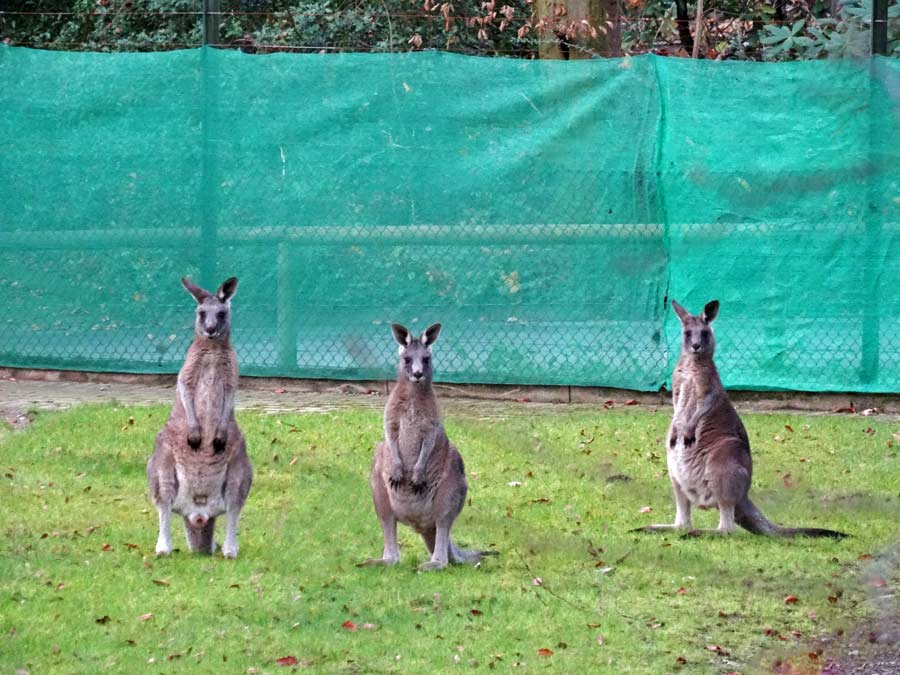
(879, 27)
(873, 249)
(212, 21)
(286, 310)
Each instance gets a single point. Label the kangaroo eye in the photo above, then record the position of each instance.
(407, 360)
(426, 360)
(202, 315)
(705, 334)
(220, 316)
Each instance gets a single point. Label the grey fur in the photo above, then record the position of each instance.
(418, 477)
(707, 447)
(200, 468)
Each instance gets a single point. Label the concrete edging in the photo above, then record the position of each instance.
(759, 400)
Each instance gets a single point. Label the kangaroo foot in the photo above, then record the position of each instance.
(705, 532)
(376, 562)
(658, 528)
(431, 566)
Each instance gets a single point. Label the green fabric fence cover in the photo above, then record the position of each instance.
(544, 212)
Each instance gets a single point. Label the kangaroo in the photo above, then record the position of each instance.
(708, 451)
(200, 468)
(418, 477)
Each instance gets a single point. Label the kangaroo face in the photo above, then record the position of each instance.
(213, 314)
(213, 318)
(415, 354)
(696, 331)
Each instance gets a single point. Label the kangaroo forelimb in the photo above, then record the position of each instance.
(704, 407)
(186, 394)
(391, 432)
(418, 474)
(220, 440)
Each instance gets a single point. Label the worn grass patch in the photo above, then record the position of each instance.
(573, 589)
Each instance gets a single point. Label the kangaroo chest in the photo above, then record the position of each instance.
(414, 428)
(691, 390)
(212, 372)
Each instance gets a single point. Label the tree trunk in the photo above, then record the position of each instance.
(555, 45)
(683, 22)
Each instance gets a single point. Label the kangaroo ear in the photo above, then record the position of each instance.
(710, 311)
(401, 335)
(199, 294)
(430, 336)
(682, 313)
(227, 289)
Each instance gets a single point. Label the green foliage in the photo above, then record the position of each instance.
(743, 29)
(78, 577)
(846, 37)
(268, 25)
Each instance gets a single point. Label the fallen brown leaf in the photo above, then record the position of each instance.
(145, 617)
(287, 661)
(545, 652)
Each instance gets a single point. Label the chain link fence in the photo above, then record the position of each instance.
(544, 212)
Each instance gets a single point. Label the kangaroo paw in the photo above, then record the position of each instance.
(193, 439)
(219, 442)
(395, 480)
(673, 438)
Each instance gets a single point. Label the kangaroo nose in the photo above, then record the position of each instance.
(695, 346)
(417, 374)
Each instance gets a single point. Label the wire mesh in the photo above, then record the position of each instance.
(544, 212)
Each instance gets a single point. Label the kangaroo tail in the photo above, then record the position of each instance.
(461, 555)
(200, 539)
(748, 516)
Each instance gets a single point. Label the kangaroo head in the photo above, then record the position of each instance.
(415, 354)
(213, 309)
(696, 331)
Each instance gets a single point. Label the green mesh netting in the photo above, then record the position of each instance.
(542, 211)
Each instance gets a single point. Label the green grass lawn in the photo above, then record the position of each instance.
(573, 590)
